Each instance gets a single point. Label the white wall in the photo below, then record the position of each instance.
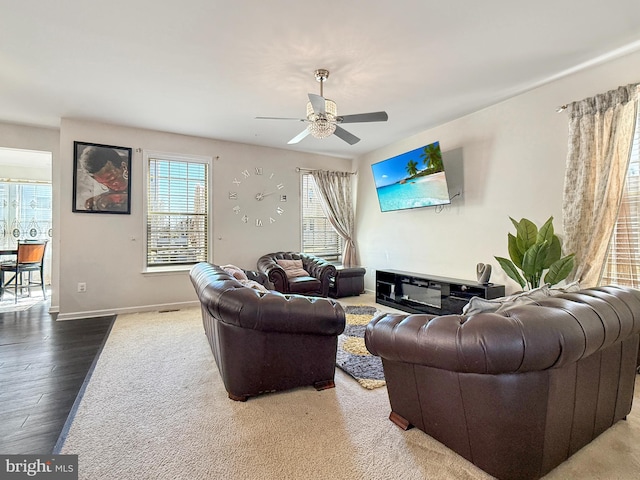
(27, 173)
(507, 160)
(107, 251)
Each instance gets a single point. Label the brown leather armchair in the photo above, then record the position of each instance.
(316, 283)
(264, 341)
(516, 392)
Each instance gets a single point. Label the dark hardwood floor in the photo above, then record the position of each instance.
(43, 364)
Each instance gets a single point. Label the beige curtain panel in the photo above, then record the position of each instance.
(601, 132)
(337, 203)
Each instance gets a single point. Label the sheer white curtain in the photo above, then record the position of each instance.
(600, 138)
(337, 203)
(26, 214)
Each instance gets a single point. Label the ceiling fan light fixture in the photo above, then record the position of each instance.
(322, 125)
(322, 117)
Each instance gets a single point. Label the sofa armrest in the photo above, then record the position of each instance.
(276, 312)
(488, 343)
(321, 269)
(274, 272)
(318, 267)
(259, 277)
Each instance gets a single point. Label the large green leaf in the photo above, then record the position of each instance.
(560, 270)
(519, 243)
(527, 233)
(511, 270)
(514, 251)
(534, 258)
(555, 252)
(546, 231)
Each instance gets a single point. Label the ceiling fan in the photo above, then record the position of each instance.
(323, 119)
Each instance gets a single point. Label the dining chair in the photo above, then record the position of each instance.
(29, 259)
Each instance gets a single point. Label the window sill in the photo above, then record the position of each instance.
(170, 269)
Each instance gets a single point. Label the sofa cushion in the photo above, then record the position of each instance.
(304, 285)
(293, 268)
(481, 305)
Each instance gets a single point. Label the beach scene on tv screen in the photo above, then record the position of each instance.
(411, 180)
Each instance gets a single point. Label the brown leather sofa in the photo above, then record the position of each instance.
(266, 341)
(316, 283)
(516, 392)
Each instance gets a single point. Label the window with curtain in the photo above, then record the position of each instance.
(623, 259)
(318, 235)
(177, 210)
(25, 212)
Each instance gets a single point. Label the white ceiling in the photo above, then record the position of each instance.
(209, 67)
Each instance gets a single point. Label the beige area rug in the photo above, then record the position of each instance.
(155, 408)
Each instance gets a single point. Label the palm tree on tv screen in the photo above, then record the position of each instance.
(412, 168)
(432, 158)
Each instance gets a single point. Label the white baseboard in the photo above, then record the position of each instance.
(125, 310)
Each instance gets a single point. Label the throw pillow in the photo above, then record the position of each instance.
(481, 305)
(293, 268)
(235, 272)
(255, 285)
(568, 288)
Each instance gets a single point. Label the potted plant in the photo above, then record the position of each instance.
(534, 251)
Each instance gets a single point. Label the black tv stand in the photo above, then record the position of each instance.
(418, 293)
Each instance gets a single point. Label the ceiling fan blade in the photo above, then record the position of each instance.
(350, 138)
(318, 103)
(281, 118)
(299, 137)
(364, 117)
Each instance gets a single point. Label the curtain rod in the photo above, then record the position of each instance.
(562, 108)
(303, 169)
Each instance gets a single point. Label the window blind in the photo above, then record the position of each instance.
(177, 216)
(318, 235)
(623, 258)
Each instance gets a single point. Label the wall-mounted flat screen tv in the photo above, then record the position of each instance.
(412, 180)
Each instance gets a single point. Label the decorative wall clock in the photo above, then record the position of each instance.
(258, 199)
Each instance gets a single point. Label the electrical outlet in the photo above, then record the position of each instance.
(82, 287)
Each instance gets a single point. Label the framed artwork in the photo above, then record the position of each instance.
(101, 178)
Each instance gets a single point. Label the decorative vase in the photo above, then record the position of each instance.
(483, 272)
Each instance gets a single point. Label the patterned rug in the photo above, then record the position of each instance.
(353, 357)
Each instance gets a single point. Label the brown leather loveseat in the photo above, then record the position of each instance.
(315, 280)
(515, 392)
(266, 341)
